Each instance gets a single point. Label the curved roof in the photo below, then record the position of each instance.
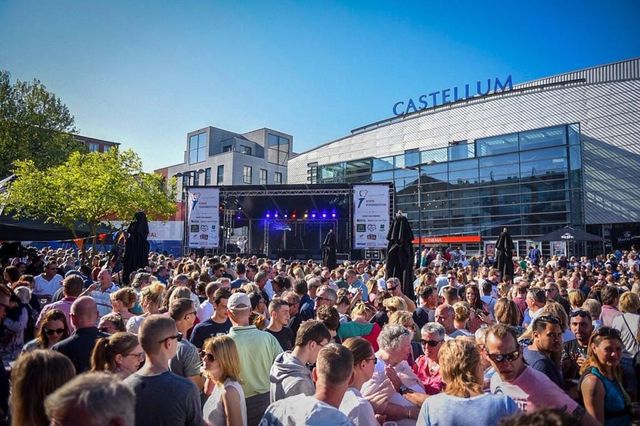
(617, 71)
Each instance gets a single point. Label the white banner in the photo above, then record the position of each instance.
(161, 231)
(370, 216)
(203, 223)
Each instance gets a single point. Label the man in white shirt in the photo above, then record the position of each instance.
(47, 283)
(101, 292)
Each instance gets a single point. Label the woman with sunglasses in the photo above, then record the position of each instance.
(119, 353)
(426, 367)
(226, 404)
(601, 385)
(53, 329)
(354, 405)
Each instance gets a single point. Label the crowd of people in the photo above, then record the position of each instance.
(238, 341)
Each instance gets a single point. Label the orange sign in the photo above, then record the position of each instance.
(460, 239)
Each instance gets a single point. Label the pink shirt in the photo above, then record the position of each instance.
(607, 315)
(533, 390)
(428, 372)
(63, 305)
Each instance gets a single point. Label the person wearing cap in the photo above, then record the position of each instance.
(257, 350)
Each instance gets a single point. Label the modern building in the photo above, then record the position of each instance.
(531, 157)
(219, 157)
(96, 145)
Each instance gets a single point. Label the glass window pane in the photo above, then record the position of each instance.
(574, 134)
(540, 154)
(411, 158)
(463, 165)
(358, 167)
(434, 156)
(461, 151)
(382, 164)
(497, 145)
(382, 177)
(542, 138)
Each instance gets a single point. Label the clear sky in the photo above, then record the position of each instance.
(144, 73)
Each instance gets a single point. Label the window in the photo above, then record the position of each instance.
(542, 138)
(312, 173)
(277, 178)
(220, 175)
(461, 150)
(207, 176)
(263, 177)
(94, 147)
(411, 157)
(246, 174)
(227, 148)
(245, 149)
(279, 148)
(497, 145)
(197, 146)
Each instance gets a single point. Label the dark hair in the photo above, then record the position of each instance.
(52, 315)
(255, 298)
(360, 348)
(609, 294)
(478, 301)
(240, 268)
(179, 308)
(106, 348)
(540, 323)
(543, 417)
(329, 315)
(312, 331)
(12, 273)
(300, 286)
(221, 293)
(73, 285)
(427, 292)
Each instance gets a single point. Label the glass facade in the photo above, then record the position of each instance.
(279, 149)
(197, 147)
(529, 182)
(247, 172)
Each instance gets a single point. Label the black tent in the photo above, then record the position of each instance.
(569, 233)
(33, 230)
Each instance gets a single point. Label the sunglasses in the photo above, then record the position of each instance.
(580, 313)
(320, 298)
(512, 356)
(546, 319)
(374, 359)
(432, 343)
(607, 332)
(178, 337)
(50, 331)
(206, 355)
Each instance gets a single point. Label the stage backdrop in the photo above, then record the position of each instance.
(203, 223)
(370, 216)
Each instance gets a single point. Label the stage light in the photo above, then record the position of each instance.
(268, 215)
(324, 215)
(285, 215)
(313, 215)
(333, 215)
(275, 215)
(293, 215)
(306, 215)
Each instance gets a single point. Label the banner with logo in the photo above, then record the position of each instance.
(370, 216)
(203, 217)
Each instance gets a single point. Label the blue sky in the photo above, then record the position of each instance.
(144, 73)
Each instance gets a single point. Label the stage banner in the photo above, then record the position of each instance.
(203, 217)
(370, 216)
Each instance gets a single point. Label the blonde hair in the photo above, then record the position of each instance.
(459, 361)
(361, 308)
(395, 303)
(629, 302)
(401, 318)
(224, 350)
(179, 293)
(576, 298)
(506, 312)
(152, 294)
(125, 295)
(556, 310)
(462, 312)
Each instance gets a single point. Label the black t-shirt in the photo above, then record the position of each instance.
(285, 337)
(206, 329)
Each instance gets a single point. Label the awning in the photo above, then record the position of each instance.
(569, 234)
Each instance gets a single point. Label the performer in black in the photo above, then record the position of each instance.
(329, 250)
(136, 252)
(504, 255)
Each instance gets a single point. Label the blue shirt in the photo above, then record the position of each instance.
(544, 364)
(353, 288)
(480, 410)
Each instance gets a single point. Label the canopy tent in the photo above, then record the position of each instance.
(569, 233)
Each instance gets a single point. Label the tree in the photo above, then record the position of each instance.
(89, 189)
(34, 124)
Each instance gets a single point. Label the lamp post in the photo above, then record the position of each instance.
(189, 174)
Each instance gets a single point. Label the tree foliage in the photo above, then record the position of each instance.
(90, 189)
(34, 124)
